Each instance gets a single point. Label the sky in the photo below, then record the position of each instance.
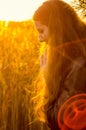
(18, 10)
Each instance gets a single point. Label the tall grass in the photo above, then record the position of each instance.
(19, 65)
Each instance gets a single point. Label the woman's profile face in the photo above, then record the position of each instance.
(42, 30)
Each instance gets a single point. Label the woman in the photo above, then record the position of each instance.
(63, 74)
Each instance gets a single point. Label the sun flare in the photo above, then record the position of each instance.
(17, 10)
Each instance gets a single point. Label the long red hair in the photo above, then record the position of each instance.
(66, 42)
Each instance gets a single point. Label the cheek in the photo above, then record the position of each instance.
(41, 37)
(46, 35)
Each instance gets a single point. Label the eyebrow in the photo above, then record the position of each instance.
(40, 30)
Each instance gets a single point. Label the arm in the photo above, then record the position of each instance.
(43, 59)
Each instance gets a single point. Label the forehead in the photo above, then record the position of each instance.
(39, 24)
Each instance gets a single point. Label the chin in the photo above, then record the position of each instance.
(42, 41)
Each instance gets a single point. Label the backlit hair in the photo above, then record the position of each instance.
(67, 39)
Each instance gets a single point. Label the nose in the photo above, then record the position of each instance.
(41, 39)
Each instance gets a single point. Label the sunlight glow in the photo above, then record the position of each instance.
(69, 1)
(18, 10)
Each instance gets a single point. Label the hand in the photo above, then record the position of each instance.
(43, 60)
